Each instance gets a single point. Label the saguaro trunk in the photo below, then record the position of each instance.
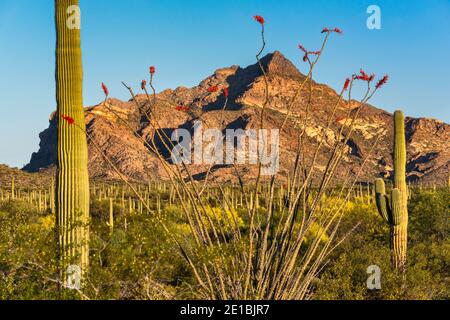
(400, 217)
(395, 209)
(72, 190)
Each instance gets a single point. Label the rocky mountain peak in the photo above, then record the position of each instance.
(277, 64)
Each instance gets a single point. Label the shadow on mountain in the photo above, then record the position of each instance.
(239, 82)
(46, 156)
(202, 175)
(164, 142)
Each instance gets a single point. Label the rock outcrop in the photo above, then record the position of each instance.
(428, 141)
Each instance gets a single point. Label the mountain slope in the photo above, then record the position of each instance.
(428, 140)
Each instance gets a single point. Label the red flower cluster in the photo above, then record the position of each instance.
(105, 89)
(307, 53)
(346, 84)
(69, 120)
(259, 19)
(225, 92)
(182, 108)
(364, 76)
(382, 81)
(213, 89)
(152, 70)
(216, 88)
(337, 30)
(143, 84)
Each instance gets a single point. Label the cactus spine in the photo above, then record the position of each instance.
(72, 185)
(395, 209)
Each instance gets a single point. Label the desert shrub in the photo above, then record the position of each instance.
(428, 254)
(139, 260)
(136, 261)
(428, 215)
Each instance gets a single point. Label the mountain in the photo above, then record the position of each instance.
(428, 140)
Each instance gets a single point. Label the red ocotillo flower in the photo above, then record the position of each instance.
(260, 19)
(305, 57)
(346, 84)
(364, 76)
(69, 120)
(225, 92)
(182, 108)
(213, 89)
(152, 70)
(362, 73)
(337, 30)
(382, 81)
(143, 84)
(105, 89)
(310, 52)
(301, 47)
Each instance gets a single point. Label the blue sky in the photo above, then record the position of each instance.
(187, 40)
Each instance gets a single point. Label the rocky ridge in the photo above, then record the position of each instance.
(428, 140)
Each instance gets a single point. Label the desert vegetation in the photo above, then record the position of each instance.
(133, 257)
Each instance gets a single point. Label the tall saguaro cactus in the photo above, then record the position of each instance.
(394, 209)
(72, 190)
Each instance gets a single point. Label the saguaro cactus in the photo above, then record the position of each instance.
(394, 209)
(72, 189)
(12, 189)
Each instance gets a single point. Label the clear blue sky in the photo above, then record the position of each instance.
(187, 40)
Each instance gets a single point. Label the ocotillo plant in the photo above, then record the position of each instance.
(395, 209)
(72, 189)
(266, 271)
(111, 216)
